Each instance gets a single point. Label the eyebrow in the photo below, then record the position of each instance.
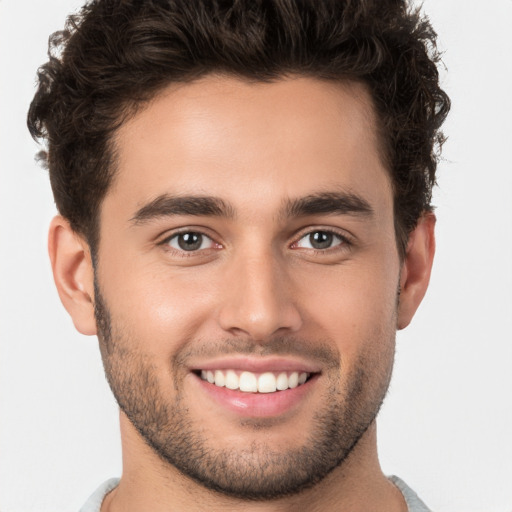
(167, 205)
(325, 203)
(322, 203)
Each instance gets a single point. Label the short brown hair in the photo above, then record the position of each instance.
(115, 55)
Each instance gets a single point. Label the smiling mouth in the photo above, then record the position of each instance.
(249, 382)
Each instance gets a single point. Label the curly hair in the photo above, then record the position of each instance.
(115, 55)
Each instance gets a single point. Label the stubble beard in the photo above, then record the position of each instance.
(257, 472)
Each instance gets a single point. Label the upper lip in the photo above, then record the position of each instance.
(258, 364)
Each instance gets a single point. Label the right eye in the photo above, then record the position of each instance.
(190, 241)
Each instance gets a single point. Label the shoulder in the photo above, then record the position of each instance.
(414, 503)
(93, 504)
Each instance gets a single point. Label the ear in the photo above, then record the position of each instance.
(416, 268)
(73, 273)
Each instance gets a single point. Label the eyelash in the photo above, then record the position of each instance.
(165, 243)
(346, 241)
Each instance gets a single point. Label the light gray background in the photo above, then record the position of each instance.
(446, 426)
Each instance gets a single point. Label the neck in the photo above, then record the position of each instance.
(150, 484)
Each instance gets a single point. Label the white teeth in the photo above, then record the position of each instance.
(293, 380)
(232, 380)
(267, 383)
(282, 382)
(219, 378)
(249, 382)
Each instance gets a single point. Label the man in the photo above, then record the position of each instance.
(244, 194)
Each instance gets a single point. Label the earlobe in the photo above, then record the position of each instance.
(73, 274)
(416, 268)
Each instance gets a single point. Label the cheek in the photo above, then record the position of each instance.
(162, 308)
(354, 305)
(159, 308)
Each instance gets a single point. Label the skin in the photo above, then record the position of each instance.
(254, 146)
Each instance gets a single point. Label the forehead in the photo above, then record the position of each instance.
(245, 141)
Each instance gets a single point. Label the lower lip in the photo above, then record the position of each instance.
(257, 405)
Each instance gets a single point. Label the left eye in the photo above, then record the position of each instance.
(190, 241)
(320, 240)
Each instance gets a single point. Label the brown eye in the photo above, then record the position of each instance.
(190, 241)
(320, 240)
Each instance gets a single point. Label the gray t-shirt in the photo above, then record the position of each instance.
(414, 504)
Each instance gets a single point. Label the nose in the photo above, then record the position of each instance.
(258, 300)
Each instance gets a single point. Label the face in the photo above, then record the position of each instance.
(246, 280)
